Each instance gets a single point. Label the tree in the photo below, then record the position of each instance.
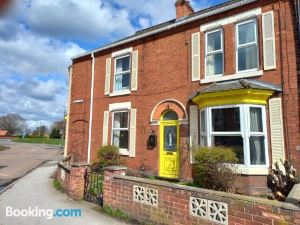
(40, 131)
(13, 123)
(58, 127)
(55, 133)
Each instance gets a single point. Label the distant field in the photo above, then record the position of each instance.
(3, 148)
(49, 141)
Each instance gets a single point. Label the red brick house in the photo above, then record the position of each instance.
(3, 133)
(226, 75)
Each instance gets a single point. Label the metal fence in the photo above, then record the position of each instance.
(93, 188)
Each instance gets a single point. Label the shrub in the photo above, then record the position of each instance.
(214, 168)
(109, 156)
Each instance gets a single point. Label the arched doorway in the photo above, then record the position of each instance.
(169, 145)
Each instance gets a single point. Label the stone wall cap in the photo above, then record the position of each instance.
(115, 168)
(274, 203)
(80, 164)
(65, 166)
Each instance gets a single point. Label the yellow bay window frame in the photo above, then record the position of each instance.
(244, 99)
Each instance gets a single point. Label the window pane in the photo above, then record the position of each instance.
(214, 41)
(170, 115)
(247, 58)
(256, 120)
(122, 64)
(257, 151)
(125, 81)
(214, 64)
(118, 83)
(121, 120)
(203, 122)
(234, 142)
(227, 119)
(203, 140)
(170, 138)
(120, 138)
(246, 33)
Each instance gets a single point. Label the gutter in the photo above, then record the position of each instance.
(180, 23)
(91, 108)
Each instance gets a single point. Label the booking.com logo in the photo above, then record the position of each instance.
(47, 213)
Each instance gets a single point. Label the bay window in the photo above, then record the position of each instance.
(247, 46)
(214, 56)
(240, 127)
(122, 73)
(120, 124)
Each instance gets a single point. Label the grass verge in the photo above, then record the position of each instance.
(57, 185)
(48, 141)
(117, 213)
(2, 148)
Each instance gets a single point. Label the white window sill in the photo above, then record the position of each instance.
(126, 92)
(124, 152)
(253, 171)
(232, 77)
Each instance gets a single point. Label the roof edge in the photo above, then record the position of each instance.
(172, 26)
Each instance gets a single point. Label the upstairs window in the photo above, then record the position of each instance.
(214, 55)
(122, 73)
(247, 47)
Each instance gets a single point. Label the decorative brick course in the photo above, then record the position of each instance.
(182, 205)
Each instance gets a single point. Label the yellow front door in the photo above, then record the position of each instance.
(169, 147)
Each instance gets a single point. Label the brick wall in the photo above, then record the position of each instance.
(167, 203)
(71, 177)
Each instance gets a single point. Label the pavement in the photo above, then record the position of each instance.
(21, 158)
(36, 190)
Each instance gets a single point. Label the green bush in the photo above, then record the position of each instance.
(214, 168)
(109, 156)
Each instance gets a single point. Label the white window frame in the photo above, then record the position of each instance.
(214, 52)
(125, 91)
(203, 134)
(123, 151)
(244, 132)
(238, 46)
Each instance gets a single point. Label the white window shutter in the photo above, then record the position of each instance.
(194, 134)
(276, 127)
(269, 40)
(105, 128)
(134, 72)
(196, 56)
(132, 134)
(107, 76)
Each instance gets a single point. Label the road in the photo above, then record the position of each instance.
(35, 190)
(21, 158)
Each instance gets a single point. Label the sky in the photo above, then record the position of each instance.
(39, 37)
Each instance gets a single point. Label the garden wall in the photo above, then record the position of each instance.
(71, 177)
(160, 202)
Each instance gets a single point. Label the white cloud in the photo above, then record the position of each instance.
(87, 20)
(35, 100)
(38, 38)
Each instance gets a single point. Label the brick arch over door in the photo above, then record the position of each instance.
(168, 104)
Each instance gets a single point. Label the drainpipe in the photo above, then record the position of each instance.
(298, 8)
(68, 112)
(91, 109)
